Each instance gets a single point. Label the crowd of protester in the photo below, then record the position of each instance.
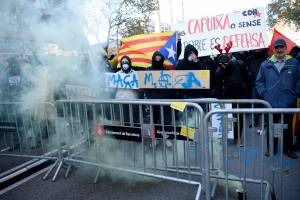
(241, 75)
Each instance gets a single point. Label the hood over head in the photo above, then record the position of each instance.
(188, 50)
(158, 65)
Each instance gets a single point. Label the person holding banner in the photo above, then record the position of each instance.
(278, 82)
(127, 94)
(158, 65)
(191, 61)
(126, 68)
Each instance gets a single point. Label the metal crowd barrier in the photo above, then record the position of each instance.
(262, 128)
(251, 170)
(140, 137)
(152, 139)
(209, 104)
(27, 130)
(81, 118)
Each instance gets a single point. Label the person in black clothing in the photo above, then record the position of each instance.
(295, 52)
(211, 64)
(157, 61)
(158, 64)
(191, 62)
(254, 61)
(234, 75)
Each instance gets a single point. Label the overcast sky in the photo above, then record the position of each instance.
(198, 8)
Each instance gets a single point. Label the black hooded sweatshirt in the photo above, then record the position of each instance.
(157, 65)
(185, 64)
(157, 93)
(235, 80)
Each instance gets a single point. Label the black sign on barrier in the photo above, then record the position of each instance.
(147, 131)
(119, 132)
(170, 132)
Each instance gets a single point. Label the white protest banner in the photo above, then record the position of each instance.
(217, 121)
(79, 92)
(176, 79)
(246, 29)
(121, 80)
(164, 79)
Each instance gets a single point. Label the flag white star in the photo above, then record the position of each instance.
(171, 52)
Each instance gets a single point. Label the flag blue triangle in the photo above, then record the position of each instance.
(169, 50)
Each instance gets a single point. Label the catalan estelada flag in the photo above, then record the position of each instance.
(140, 48)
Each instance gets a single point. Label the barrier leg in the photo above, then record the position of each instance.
(68, 170)
(57, 170)
(97, 175)
(50, 170)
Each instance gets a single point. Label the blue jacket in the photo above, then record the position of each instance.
(280, 89)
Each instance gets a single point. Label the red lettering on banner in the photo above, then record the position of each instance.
(245, 40)
(197, 26)
(255, 42)
(189, 26)
(208, 24)
(261, 39)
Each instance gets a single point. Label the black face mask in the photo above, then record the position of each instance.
(158, 64)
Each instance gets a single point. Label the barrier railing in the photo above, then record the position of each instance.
(140, 137)
(120, 113)
(244, 169)
(27, 129)
(235, 121)
(152, 139)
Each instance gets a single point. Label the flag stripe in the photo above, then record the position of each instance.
(145, 60)
(142, 36)
(142, 45)
(147, 40)
(127, 53)
(142, 51)
(137, 56)
(147, 65)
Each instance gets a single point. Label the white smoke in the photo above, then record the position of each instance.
(62, 49)
(63, 56)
